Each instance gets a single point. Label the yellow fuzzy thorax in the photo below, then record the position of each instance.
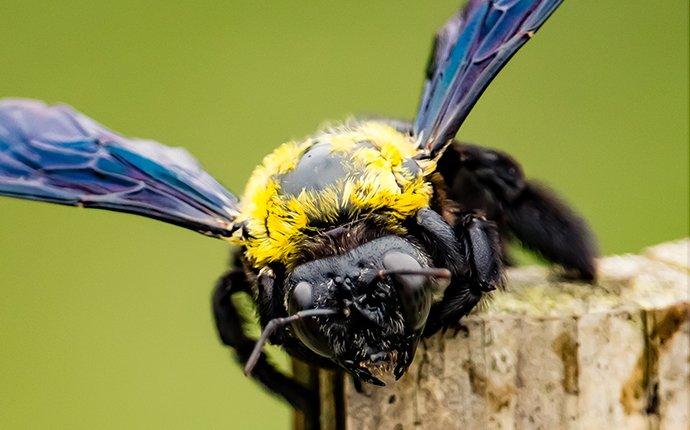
(377, 181)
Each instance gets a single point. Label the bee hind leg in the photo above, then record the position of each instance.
(493, 182)
(230, 325)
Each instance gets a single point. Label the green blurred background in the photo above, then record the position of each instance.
(104, 318)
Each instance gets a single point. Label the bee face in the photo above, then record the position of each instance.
(379, 312)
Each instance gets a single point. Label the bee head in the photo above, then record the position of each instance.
(380, 294)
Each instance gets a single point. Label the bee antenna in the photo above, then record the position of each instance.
(274, 325)
(434, 272)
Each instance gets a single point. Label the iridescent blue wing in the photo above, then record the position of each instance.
(58, 155)
(468, 52)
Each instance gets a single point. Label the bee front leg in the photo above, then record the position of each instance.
(230, 325)
(481, 272)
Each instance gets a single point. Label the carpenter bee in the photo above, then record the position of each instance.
(354, 243)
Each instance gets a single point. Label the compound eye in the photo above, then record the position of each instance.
(301, 297)
(413, 289)
(308, 330)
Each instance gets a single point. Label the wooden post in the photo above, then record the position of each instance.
(547, 354)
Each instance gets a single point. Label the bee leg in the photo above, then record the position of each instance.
(479, 241)
(458, 301)
(230, 325)
(543, 223)
(493, 182)
(441, 240)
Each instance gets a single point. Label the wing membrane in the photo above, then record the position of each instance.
(56, 154)
(469, 51)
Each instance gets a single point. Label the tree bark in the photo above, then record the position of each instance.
(547, 354)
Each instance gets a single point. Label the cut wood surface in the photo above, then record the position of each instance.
(547, 354)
